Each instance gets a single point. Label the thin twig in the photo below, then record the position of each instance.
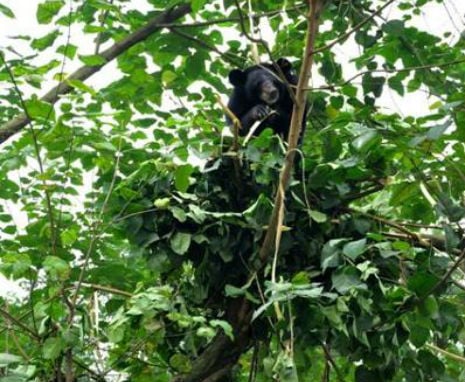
(48, 199)
(392, 71)
(95, 236)
(227, 20)
(330, 358)
(107, 289)
(390, 223)
(231, 58)
(18, 323)
(354, 29)
(447, 275)
(98, 39)
(446, 353)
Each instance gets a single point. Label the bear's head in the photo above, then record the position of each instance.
(261, 83)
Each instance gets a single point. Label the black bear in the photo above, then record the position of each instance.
(260, 95)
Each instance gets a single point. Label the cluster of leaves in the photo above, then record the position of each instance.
(140, 227)
(361, 293)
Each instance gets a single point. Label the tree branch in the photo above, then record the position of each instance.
(392, 71)
(277, 215)
(427, 240)
(155, 24)
(19, 324)
(227, 20)
(226, 55)
(444, 278)
(413, 235)
(354, 29)
(446, 353)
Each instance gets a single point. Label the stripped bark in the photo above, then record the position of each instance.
(274, 227)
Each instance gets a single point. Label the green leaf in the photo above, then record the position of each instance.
(69, 236)
(40, 110)
(429, 307)
(227, 328)
(9, 189)
(81, 86)
(396, 84)
(168, 76)
(68, 50)
(418, 335)
(181, 177)
(179, 214)
(56, 267)
(52, 348)
(7, 358)
(437, 131)
(355, 248)
(330, 254)
(46, 41)
(93, 60)
(180, 363)
(394, 27)
(116, 333)
(7, 11)
(346, 280)
(232, 291)
(48, 10)
(318, 216)
(422, 283)
(162, 203)
(104, 146)
(373, 84)
(367, 140)
(180, 242)
(197, 5)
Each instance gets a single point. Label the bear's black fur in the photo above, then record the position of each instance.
(259, 91)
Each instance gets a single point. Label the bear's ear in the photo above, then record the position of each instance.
(237, 77)
(284, 64)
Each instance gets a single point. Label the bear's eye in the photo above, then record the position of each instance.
(256, 82)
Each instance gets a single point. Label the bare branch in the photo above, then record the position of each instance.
(270, 243)
(446, 353)
(413, 235)
(447, 275)
(354, 29)
(18, 323)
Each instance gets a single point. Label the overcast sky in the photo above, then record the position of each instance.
(437, 18)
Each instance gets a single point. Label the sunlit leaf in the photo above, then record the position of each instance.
(180, 242)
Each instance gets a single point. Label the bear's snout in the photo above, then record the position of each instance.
(269, 93)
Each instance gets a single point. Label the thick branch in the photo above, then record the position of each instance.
(294, 131)
(222, 353)
(155, 24)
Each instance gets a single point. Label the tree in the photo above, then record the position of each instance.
(153, 246)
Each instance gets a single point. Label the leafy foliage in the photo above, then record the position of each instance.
(134, 227)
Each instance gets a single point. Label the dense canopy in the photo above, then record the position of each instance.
(152, 242)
